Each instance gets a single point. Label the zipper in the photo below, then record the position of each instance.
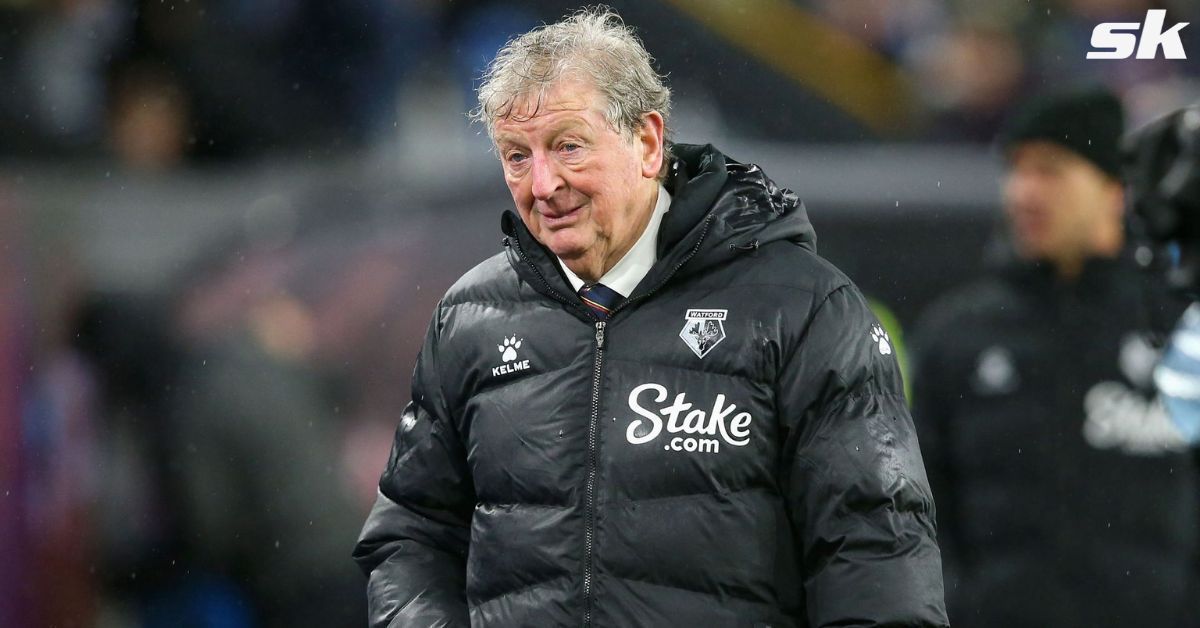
(590, 494)
(593, 429)
(594, 420)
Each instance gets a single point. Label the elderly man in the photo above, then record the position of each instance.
(1067, 497)
(657, 407)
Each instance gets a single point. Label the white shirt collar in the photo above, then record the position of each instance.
(629, 271)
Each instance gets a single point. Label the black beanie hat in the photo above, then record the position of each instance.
(1087, 121)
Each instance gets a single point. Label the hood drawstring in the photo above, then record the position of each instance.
(749, 246)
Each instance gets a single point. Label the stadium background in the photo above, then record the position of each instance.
(223, 225)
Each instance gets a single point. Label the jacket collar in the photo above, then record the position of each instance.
(719, 209)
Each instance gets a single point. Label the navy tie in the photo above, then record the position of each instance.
(601, 299)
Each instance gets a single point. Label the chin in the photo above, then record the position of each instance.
(564, 243)
(1034, 253)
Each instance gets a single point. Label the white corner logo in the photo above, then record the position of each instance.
(1119, 40)
(703, 330)
(508, 353)
(879, 336)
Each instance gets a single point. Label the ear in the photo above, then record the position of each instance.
(649, 139)
(1116, 196)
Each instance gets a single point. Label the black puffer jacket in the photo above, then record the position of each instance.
(732, 448)
(1066, 497)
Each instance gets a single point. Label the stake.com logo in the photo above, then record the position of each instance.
(682, 418)
(1108, 43)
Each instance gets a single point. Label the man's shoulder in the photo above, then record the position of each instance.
(793, 266)
(491, 280)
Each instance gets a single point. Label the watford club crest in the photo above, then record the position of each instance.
(703, 330)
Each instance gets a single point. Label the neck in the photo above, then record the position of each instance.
(1108, 243)
(593, 264)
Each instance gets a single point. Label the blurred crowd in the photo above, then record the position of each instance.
(202, 453)
(157, 82)
(153, 83)
(203, 456)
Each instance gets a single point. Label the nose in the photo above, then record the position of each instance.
(545, 177)
(1020, 190)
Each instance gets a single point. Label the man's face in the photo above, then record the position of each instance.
(1056, 202)
(580, 186)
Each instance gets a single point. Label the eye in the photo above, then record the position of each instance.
(515, 158)
(570, 150)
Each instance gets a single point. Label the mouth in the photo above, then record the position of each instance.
(559, 220)
(1031, 223)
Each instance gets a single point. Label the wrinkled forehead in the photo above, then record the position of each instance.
(537, 101)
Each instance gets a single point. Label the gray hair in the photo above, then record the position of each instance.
(594, 44)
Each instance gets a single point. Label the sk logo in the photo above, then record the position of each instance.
(703, 330)
(1109, 42)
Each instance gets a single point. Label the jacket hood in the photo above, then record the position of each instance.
(736, 207)
(720, 208)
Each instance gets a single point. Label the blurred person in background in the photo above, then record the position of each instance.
(53, 59)
(145, 570)
(287, 338)
(104, 521)
(1066, 497)
(522, 489)
(149, 116)
(260, 77)
(966, 103)
(257, 457)
(187, 466)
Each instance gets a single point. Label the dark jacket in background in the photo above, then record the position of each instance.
(1065, 496)
(536, 479)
